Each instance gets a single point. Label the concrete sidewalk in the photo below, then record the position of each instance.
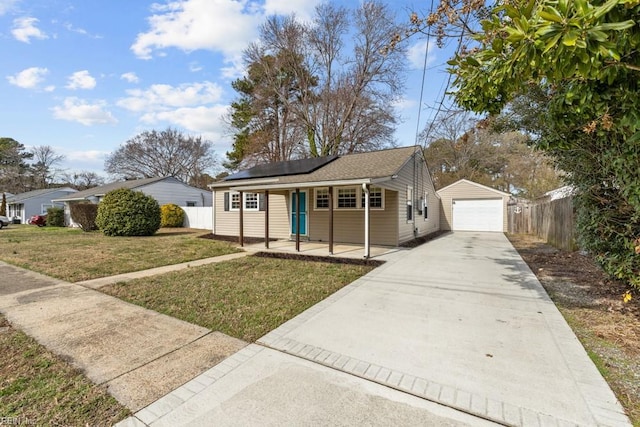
(460, 321)
(125, 277)
(140, 355)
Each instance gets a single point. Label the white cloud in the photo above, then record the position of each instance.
(303, 9)
(24, 29)
(78, 30)
(225, 26)
(162, 97)
(131, 77)
(78, 110)
(28, 78)
(415, 54)
(194, 67)
(205, 121)
(86, 156)
(7, 5)
(81, 80)
(405, 104)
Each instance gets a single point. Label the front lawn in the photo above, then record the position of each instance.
(39, 388)
(245, 297)
(73, 255)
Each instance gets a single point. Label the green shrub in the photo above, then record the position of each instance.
(84, 214)
(55, 217)
(125, 212)
(171, 215)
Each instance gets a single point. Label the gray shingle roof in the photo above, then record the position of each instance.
(104, 189)
(373, 164)
(17, 198)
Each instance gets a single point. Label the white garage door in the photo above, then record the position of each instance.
(478, 215)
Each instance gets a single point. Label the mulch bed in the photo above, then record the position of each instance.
(234, 239)
(327, 259)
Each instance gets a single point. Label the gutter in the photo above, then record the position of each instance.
(293, 185)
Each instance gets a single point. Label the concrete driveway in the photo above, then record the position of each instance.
(455, 332)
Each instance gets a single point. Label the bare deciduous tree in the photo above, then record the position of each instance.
(83, 180)
(43, 168)
(165, 153)
(333, 86)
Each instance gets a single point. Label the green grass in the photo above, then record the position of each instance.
(73, 255)
(39, 388)
(244, 298)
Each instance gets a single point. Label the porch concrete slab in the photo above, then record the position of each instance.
(461, 321)
(270, 388)
(111, 341)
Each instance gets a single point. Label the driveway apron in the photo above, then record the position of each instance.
(461, 321)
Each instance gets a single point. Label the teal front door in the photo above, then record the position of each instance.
(303, 213)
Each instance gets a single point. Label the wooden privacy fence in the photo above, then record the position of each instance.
(553, 221)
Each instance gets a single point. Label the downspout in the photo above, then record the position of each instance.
(213, 213)
(266, 219)
(367, 252)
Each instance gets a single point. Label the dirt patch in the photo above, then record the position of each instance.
(592, 303)
(420, 240)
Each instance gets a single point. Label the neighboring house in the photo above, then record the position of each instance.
(164, 189)
(329, 195)
(36, 202)
(469, 206)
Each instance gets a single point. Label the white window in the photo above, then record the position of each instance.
(376, 198)
(322, 198)
(44, 208)
(347, 198)
(409, 204)
(235, 201)
(251, 201)
(425, 206)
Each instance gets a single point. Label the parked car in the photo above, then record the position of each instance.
(4, 221)
(39, 220)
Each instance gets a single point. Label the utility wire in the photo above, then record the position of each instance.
(424, 73)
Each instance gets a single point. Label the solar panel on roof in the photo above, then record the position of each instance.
(291, 167)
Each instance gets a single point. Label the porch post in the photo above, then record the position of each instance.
(266, 219)
(297, 219)
(330, 220)
(241, 237)
(365, 189)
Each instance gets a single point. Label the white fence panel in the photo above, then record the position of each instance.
(198, 217)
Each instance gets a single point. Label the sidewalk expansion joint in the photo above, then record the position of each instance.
(156, 358)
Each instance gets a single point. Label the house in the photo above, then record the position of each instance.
(164, 189)
(24, 205)
(469, 206)
(324, 200)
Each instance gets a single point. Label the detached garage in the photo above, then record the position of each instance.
(469, 206)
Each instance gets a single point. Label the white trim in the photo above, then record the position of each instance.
(315, 198)
(244, 202)
(502, 193)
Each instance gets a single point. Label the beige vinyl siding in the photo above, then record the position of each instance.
(348, 224)
(463, 190)
(415, 174)
(227, 223)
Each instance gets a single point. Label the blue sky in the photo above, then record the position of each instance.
(83, 76)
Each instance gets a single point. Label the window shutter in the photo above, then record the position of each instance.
(261, 201)
(226, 201)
